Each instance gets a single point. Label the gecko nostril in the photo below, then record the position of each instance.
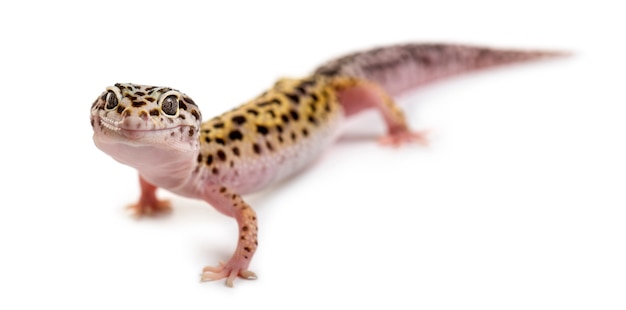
(143, 115)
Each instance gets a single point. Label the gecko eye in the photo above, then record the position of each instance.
(111, 101)
(169, 105)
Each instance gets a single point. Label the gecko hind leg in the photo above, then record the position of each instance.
(357, 95)
(149, 204)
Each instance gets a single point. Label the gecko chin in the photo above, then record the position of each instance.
(142, 148)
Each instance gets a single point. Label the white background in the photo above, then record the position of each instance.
(518, 203)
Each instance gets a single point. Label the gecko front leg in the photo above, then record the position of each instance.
(231, 204)
(148, 203)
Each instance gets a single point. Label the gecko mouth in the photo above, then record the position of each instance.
(117, 127)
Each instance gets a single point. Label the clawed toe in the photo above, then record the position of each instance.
(152, 208)
(228, 271)
(404, 137)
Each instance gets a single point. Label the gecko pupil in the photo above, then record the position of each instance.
(111, 100)
(170, 105)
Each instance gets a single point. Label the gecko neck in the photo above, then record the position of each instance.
(166, 166)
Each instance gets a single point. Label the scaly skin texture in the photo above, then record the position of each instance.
(158, 130)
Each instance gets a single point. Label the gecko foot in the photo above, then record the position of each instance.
(230, 271)
(401, 137)
(150, 207)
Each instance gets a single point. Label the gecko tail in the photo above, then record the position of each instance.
(399, 68)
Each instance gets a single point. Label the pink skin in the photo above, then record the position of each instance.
(232, 205)
(148, 203)
(368, 95)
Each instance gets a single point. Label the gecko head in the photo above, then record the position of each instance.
(152, 118)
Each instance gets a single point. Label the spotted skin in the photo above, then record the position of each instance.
(158, 130)
(272, 136)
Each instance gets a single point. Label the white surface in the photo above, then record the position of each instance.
(518, 203)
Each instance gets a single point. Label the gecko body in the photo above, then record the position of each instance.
(159, 130)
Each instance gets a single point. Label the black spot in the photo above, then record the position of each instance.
(256, 148)
(137, 104)
(209, 159)
(271, 113)
(301, 90)
(247, 249)
(220, 141)
(279, 128)
(195, 114)
(293, 136)
(215, 170)
(285, 118)
(182, 105)
(239, 119)
(140, 93)
(280, 139)
(262, 129)
(191, 132)
(189, 100)
(235, 135)
(305, 132)
(269, 146)
(312, 120)
(253, 112)
(199, 157)
(121, 109)
(154, 112)
(150, 99)
(308, 82)
(218, 125)
(327, 107)
(221, 155)
(266, 103)
(222, 189)
(245, 228)
(294, 98)
(207, 139)
(294, 115)
(236, 151)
